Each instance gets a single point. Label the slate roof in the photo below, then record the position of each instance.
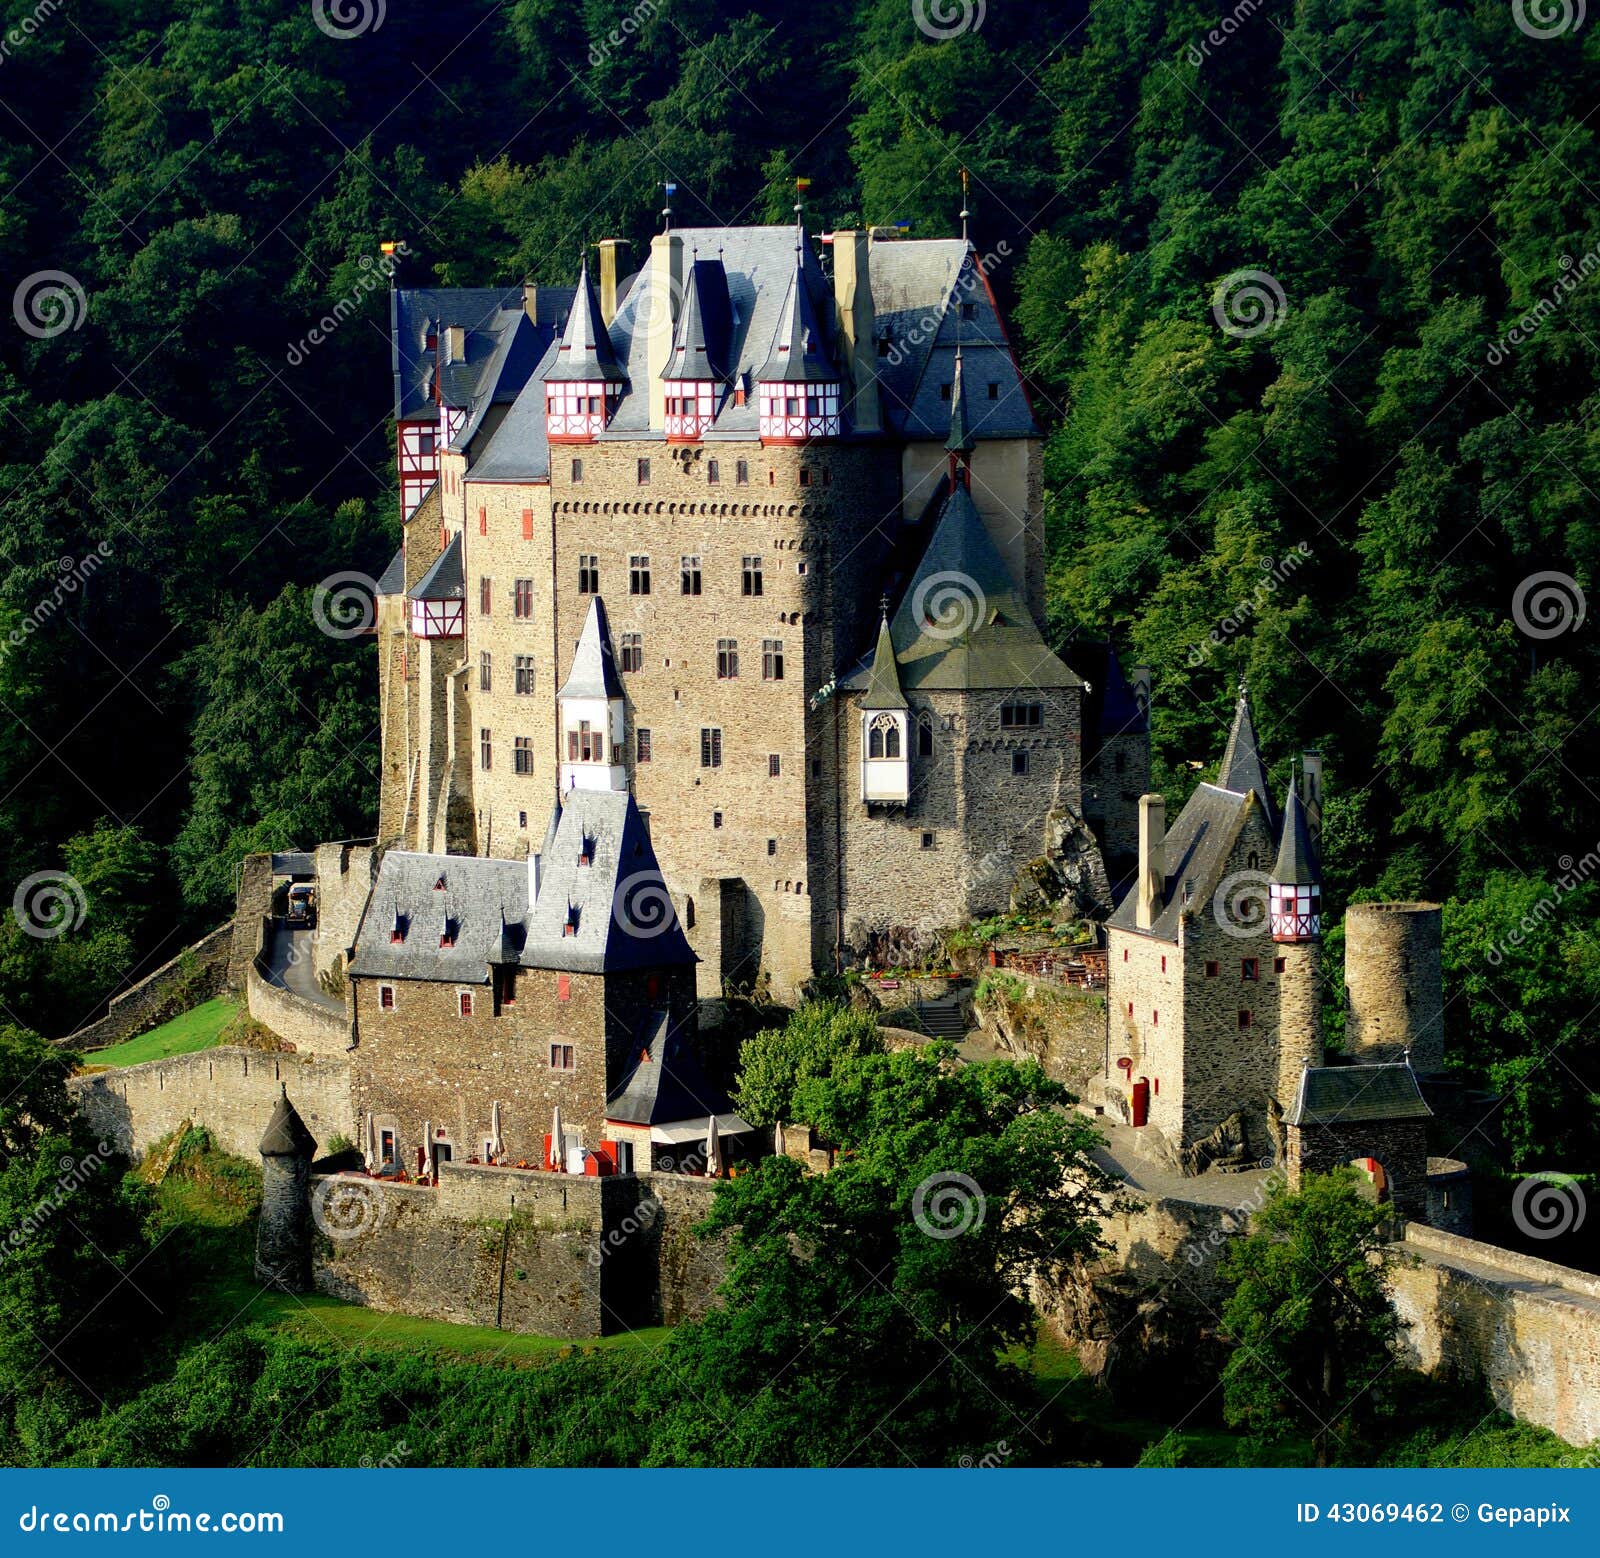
(1242, 768)
(597, 873)
(1358, 1095)
(1196, 850)
(392, 581)
(286, 1135)
(961, 623)
(618, 906)
(1297, 855)
(586, 351)
(702, 349)
(518, 348)
(594, 666)
(914, 285)
(759, 265)
(882, 690)
(800, 351)
(446, 580)
(418, 312)
(520, 447)
(665, 1081)
(960, 440)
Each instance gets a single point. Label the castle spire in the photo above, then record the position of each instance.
(883, 680)
(1295, 892)
(1242, 770)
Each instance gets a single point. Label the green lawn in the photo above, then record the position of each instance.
(198, 1028)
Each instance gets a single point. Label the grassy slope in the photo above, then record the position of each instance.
(199, 1028)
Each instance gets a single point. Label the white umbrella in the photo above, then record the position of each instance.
(371, 1143)
(777, 1137)
(427, 1146)
(557, 1154)
(713, 1151)
(496, 1146)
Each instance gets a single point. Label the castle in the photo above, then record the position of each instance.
(763, 549)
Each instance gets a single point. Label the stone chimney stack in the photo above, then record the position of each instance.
(608, 278)
(852, 296)
(283, 1234)
(665, 281)
(1152, 887)
(1311, 791)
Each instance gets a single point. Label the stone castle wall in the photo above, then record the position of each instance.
(232, 1092)
(547, 1254)
(313, 1030)
(345, 873)
(253, 903)
(196, 974)
(1393, 983)
(985, 821)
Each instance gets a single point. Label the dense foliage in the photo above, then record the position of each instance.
(1341, 503)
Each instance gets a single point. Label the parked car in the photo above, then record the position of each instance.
(303, 904)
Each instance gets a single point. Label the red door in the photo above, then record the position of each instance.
(1141, 1101)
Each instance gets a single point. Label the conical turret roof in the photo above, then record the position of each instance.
(883, 681)
(1296, 864)
(586, 351)
(1242, 769)
(594, 667)
(705, 327)
(287, 1136)
(960, 440)
(798, 354)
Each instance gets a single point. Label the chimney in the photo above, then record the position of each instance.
(666, 296)
(1152, 888)
(1311, 791)
(608, 278)
(852, 296)
(1139, 679)
(455, 343)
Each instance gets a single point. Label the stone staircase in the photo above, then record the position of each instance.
(942, 1018)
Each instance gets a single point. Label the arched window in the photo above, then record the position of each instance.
(925, 735)
(891, 741)
(875, 741)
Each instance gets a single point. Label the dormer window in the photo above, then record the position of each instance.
(438, 886)
(586, 852)
(399, 927)
(690, 408)
(569, 926)
(447, 933)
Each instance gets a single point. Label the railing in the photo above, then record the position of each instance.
(1084, 967)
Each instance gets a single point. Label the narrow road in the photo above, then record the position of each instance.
(286, 962)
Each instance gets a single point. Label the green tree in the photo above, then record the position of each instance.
(1309, 1317)
(776, 1062)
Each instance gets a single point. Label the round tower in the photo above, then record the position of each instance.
(283, 1235)
(1294, 898)
(1393, 985)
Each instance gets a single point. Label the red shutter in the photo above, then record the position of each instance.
(563, 987)
(527, 524)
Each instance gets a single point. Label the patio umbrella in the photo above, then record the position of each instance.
(371, 1145)
(713, 1151)
(427, 1147)
(557, 1156)
(496, 1146)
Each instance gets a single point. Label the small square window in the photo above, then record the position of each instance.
(641, 744)
(927, 841)
(1244, 1019)
(713, 473)
(577, 470)
(774, 765)
(1163, 962)
(741, 472)
(716, 819)
(1212, 970)
(385, 998)
(1155, 1019)
(1124, 954)
(1249, 969)
(772, 846)
(1279, 964)
(1019, 762)
(644, 471)
(805, 476)
(562, 1058)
